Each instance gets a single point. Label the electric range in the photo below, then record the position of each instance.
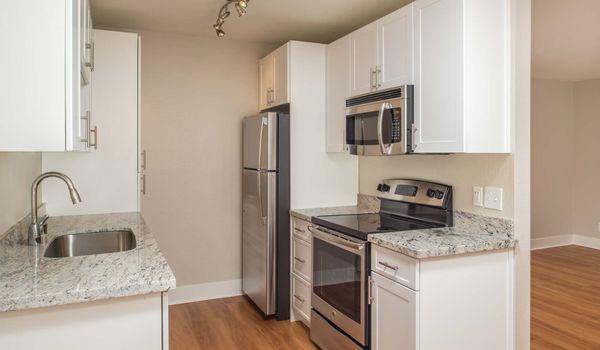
(341, 257)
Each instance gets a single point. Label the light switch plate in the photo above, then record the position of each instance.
(493, 198)
(478, 196)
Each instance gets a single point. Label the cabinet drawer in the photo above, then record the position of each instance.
(300, 229)
(302, 258)
(396, 266)
(301, 292)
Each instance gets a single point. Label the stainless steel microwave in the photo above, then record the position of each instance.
(381, 123)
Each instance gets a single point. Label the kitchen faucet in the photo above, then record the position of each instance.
(37, 227)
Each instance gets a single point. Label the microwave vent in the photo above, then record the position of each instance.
(374, 97)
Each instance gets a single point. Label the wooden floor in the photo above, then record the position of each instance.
(231, 323)
(565, 298)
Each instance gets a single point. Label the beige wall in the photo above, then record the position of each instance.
(552, 161)
(462, 171)
(565, 160)
(17, 172)
(195, 91)
(586, 189)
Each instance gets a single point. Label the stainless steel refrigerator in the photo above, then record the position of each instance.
(265, 212)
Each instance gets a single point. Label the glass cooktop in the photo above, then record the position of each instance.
(361, 225)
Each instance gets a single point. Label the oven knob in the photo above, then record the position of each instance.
(439, 194)
(430, 193)
(380, 187)
(333, 314)
(385, 188)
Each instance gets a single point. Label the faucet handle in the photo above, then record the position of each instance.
(43, 225)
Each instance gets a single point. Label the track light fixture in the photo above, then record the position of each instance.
(240, 7)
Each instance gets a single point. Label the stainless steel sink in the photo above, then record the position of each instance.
(90, 243)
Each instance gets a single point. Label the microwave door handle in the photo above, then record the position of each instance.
(382, 146)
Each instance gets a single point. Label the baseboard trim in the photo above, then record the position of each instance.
(552, 241)
(205, 291)
(586, 241)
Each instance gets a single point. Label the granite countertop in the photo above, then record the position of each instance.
(471, 233)
(307, 214)
(28, 280)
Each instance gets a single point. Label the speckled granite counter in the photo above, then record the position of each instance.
(471, 233)
(28, 280)
(307, 214)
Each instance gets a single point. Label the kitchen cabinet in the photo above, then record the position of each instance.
(393, 315)
(456, 302)
(462, 60)
(273, 72)
(382, 53)
(301, 270)
(43, 93)
(338, 90)
(363, 58)
(112, 169)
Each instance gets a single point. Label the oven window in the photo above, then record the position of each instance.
(361, 129)
(336, 278)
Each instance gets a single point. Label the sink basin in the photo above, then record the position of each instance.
(90, 243)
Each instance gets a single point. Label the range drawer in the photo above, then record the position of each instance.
(302, 258)
(300, 229)
(398, 267)
(301, 292)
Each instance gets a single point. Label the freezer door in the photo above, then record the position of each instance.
(258, 238)
(260, 142)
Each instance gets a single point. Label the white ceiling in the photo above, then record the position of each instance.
(270, 21)
(566, 39)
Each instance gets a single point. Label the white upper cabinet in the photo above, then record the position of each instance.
(42, 75)
(338, 90)
(461, 83)
(395, 49)
(382, 53)
(273, 81)
(363, 59)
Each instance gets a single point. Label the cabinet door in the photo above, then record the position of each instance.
(438, 76)
(363, 59)
(395, 322)
(395, 34)
(338, 90)
(280, 79)
(266, 71)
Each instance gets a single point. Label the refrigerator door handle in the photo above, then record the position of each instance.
(260, 196)
(260, 142)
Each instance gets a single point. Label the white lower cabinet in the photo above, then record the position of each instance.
(393, 315)
(301, 271)
(463, 302)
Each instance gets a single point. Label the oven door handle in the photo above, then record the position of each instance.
(385, 150)
(357, 248)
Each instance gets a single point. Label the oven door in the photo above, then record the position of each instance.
(339, 282)
(378, 129)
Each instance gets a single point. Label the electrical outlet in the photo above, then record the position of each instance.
(493, 198)
(478, 196)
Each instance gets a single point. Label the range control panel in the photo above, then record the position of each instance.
(415, 191)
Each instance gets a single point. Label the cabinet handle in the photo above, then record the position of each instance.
(143, 185)
(299, 298)
(372, 79)
(370, 291)
(86, 117)
(377, 76)
(95, 144)
(143, 161)
(385, 264)
(299, 230)
(92, 63)
(300, 260)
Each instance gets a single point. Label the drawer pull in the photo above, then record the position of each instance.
(300, 260)
(299, 230)
(385, 264)
(299, 298)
